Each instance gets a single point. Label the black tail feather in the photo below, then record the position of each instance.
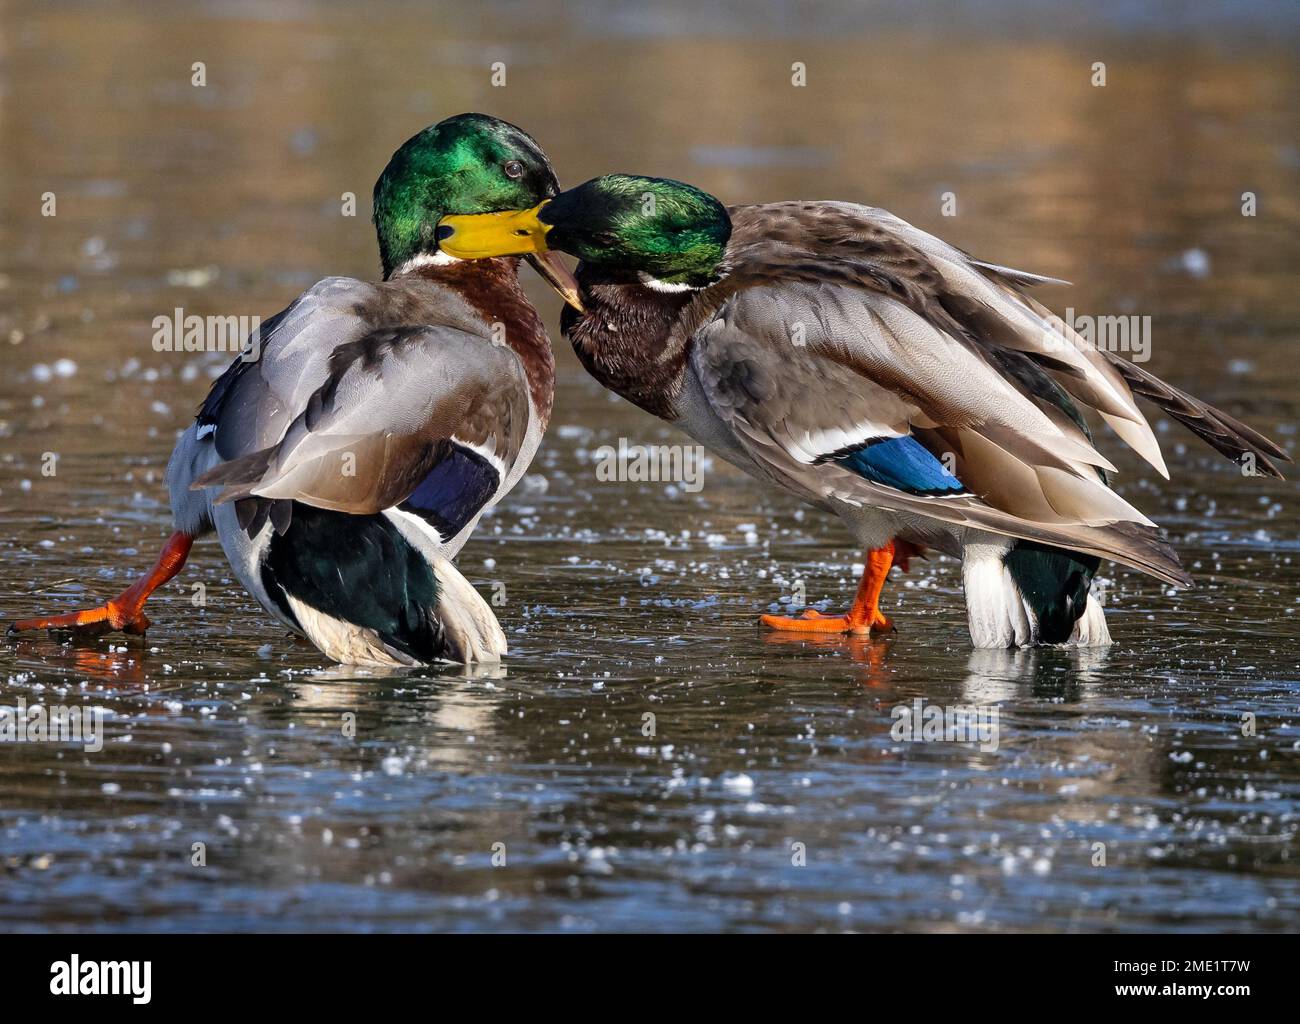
(362, 570)
(1215, 427)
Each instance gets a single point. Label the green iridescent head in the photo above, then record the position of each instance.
(468, 164)
(666, 230)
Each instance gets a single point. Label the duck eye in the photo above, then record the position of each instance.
(514, 169)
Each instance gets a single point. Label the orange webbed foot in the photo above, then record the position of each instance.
(91, 622)
(865, 616)
(813, 621)
(124, 612)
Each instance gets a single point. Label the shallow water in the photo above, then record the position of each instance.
(771, 795)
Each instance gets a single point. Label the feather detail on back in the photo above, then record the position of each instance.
(1030, 475)
(348, 409)
(978, 304)
(841, 322)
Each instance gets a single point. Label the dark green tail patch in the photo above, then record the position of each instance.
(1054, 583)
(359, 569)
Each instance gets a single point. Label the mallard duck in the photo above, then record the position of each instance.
(346, 466)
(876, 372)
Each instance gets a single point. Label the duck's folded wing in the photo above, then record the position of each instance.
(251, 405)
(345, 415)
(981, 306)
(848, 394)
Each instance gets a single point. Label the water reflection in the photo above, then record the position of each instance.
(867, 656)
(1075, 673)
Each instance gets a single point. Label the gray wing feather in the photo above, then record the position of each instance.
(263, 396)
(344, 414)
(866, 370)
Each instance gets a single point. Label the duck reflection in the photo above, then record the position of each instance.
(867, 654)
(1072, 673)
(123, 663)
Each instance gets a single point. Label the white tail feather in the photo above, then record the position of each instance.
(471, 627)
(1091, 629)
(996, 614)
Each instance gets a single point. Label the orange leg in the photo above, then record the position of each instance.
(126, 611)
(865, 616)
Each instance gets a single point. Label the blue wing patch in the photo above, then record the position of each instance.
(453, 492)
(903, 463)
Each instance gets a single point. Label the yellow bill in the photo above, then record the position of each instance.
(509, 233)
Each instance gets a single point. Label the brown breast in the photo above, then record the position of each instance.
(491, 287)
